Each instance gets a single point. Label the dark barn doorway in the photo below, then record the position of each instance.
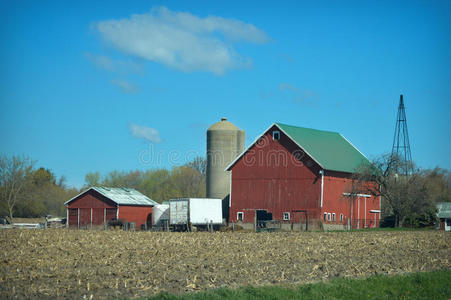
(262, 217)
(149, 221)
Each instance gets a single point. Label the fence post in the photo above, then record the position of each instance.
(255, 220)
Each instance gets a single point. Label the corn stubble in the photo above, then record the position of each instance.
(105, 264)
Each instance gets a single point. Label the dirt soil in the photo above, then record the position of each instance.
(61, 263)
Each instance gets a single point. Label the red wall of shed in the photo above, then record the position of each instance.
(136, 214)
(91, 200)
(275, 176)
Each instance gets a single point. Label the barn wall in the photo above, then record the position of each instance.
(335, 184)
(275, 176)
(136, 214)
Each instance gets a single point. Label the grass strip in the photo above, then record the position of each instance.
(421, 285)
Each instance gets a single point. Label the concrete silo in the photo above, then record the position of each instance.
(225, 142)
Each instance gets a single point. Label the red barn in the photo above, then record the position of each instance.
(97, 205)
(290, 172)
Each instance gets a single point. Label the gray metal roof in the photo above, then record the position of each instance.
(444, 210)
(121, 196)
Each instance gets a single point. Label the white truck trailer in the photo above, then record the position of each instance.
(199, 212)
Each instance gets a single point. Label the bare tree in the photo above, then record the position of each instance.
(199, 164)
(14, 173)
(404, 196)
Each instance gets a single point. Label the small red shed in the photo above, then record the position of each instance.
(97, 205)
(290, 172)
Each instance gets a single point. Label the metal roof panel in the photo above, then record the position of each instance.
(444, 210)
(330, 149)
(121, 196)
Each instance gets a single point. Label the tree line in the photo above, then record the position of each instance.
(27, 191)
(160, 185)
(408, 198)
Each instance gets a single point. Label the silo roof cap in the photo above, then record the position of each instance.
(223, 125)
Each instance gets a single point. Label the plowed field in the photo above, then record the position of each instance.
(76, 263)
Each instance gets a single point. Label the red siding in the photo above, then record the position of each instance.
(275, 176)
(335, 184)
(136, 214)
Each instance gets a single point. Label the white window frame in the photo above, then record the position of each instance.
(286, 216)
(333, 217)
(238, 216)
(274, 133)
(328, 216)
(325, 216)
(341, 217)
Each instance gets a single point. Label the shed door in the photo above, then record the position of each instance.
(85, 217)
(97, 216)
(110, 214)
(73, 217)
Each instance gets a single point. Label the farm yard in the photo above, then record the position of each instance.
(101, 264)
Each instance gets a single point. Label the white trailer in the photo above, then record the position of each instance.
(195, 211)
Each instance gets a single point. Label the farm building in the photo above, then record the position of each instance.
(444, 214)
(98, 205)
(292, 173)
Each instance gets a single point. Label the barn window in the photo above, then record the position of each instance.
(276, 135)
(240, 216)
(325, 216)
(328, 217)
(333, 216)
(286, 216)
(341, 217)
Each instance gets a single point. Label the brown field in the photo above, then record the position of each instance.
(73, 263)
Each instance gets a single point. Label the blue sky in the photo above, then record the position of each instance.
(123, 85)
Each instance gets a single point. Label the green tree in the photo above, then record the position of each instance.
(92, 179)
(157, 185)
(437, 184)
(188, 182)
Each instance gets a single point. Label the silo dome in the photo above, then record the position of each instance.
(225, 142)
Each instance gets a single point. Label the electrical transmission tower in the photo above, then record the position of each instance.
(401, 145)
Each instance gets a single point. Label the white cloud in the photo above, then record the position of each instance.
(143, 132)
(112, 65)
(181, 40)
(125, 86)
(305, 96)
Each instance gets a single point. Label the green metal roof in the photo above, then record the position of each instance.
(121, 196)
(444, 210)
(330, 150)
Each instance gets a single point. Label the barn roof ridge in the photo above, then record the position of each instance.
(121, 196)
(329, 149)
